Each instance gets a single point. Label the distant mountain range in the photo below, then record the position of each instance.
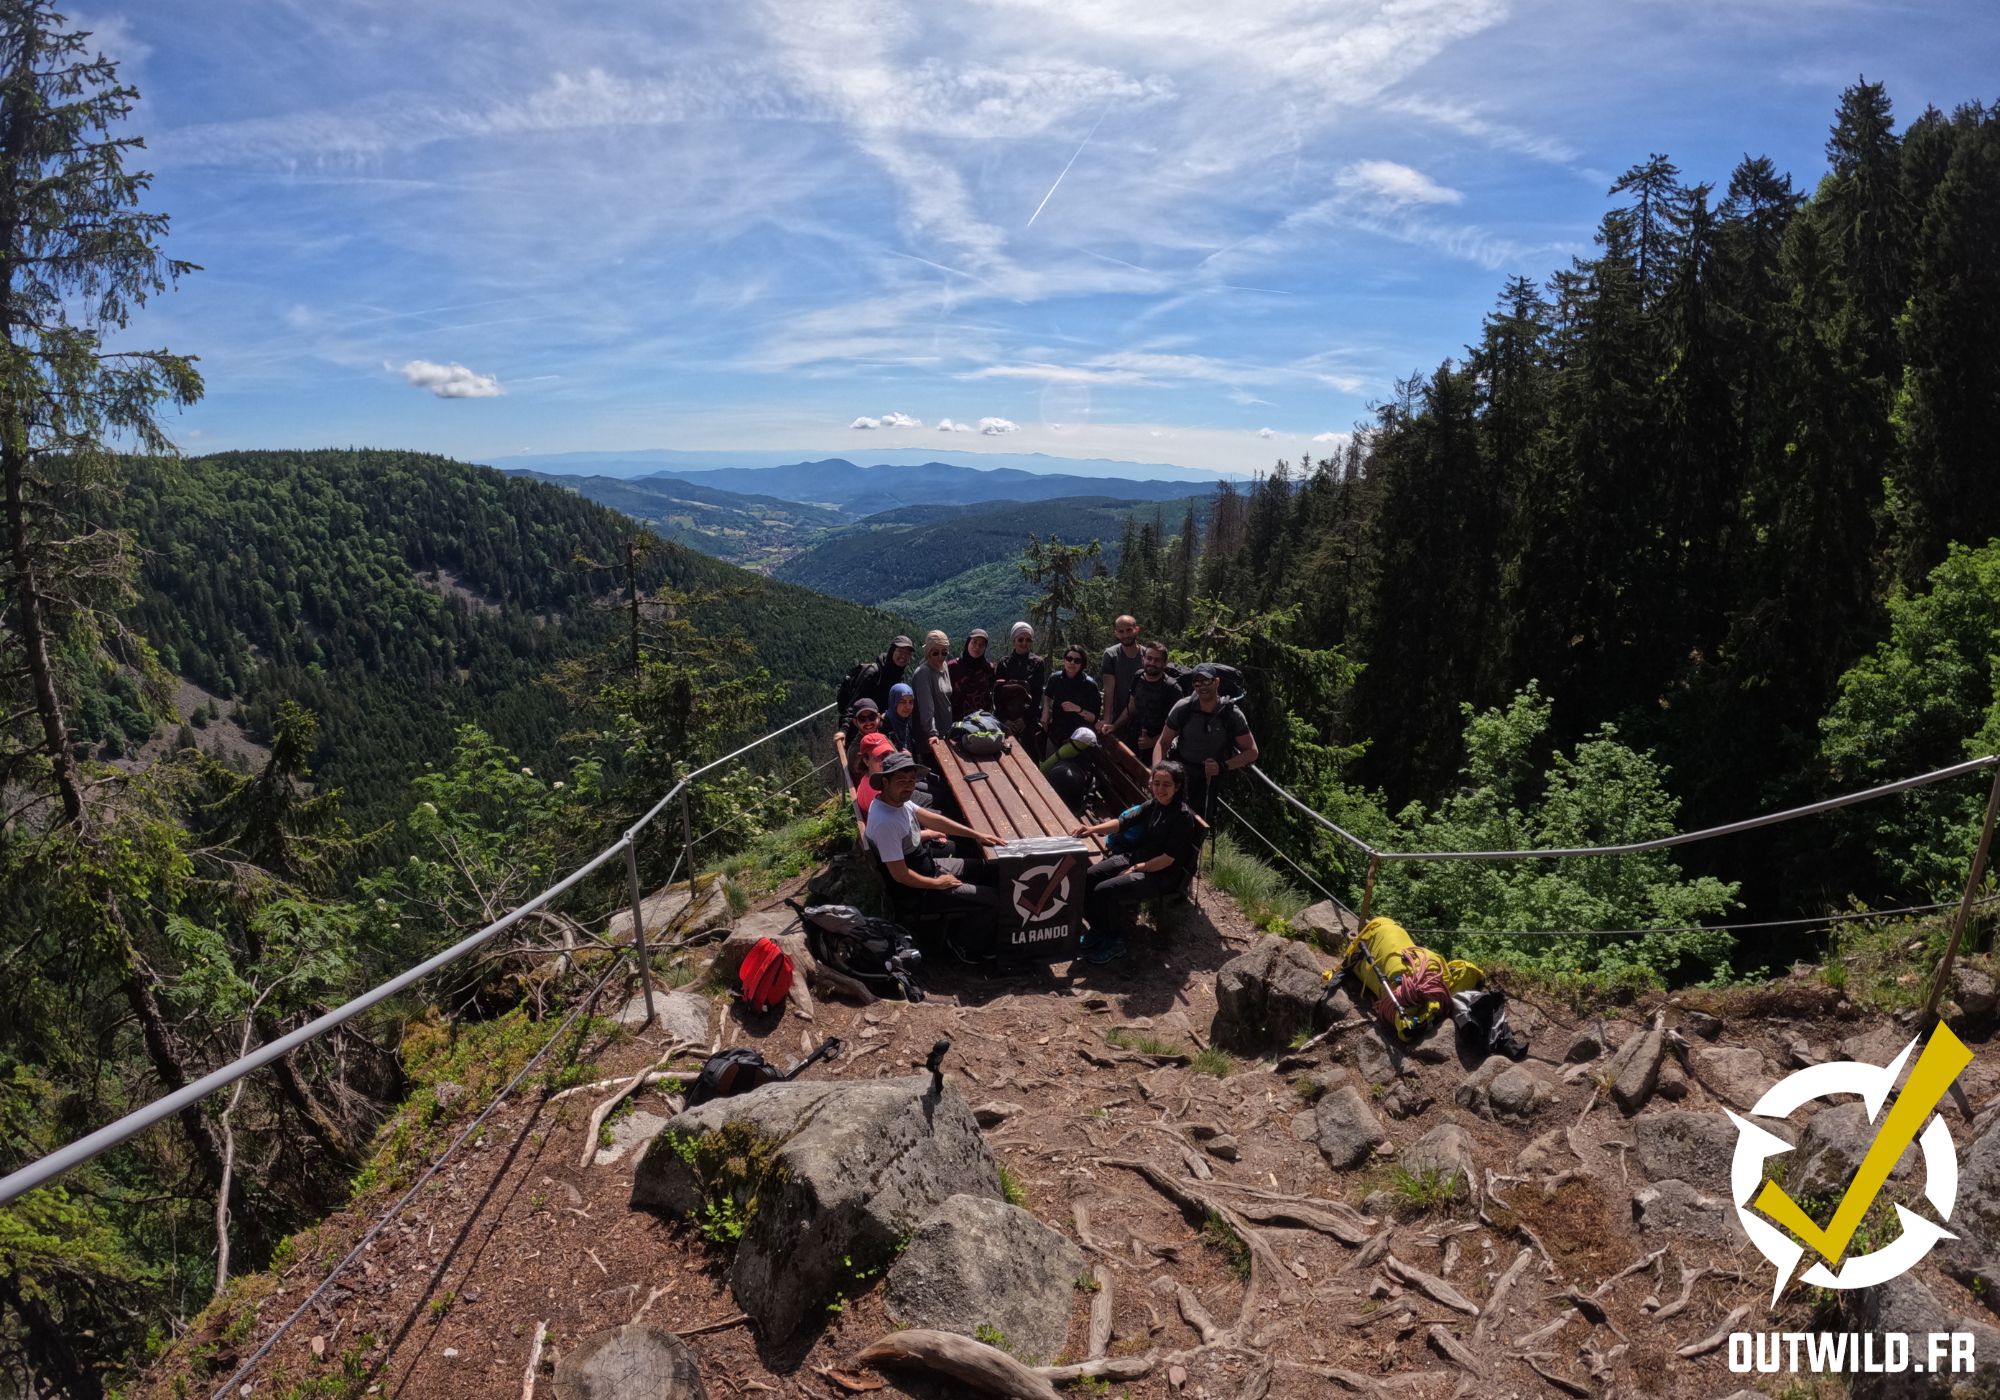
(839, 483)
(668, 462)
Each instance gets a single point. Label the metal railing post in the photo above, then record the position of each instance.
(1368, 886)
(1978, 872)
(687, 837)
(639, 926)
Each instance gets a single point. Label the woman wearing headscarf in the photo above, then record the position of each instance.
(972, 677)
(932, 682)
(1153, 848)
(1020, 676)
(899, 721)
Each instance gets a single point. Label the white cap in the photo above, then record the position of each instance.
(1085, 736)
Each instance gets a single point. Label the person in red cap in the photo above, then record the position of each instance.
(874, 748)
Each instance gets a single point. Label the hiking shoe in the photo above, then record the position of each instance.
(1103, 950)
(968, 955)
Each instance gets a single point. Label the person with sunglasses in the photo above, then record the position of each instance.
(932, 682)
(1071, 697)
(864, 719)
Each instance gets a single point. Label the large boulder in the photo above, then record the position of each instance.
(681, 909)
(1905, 1305)
(1737, 1075)
(682, 1016)
(1501, 1089)
(1679, 1207)
(1830, 1152)
(1685, 1146)
(1974, 1257)
(780, 924)
(819, 1180)
(1326, 923)
(1345, 1128)
(633, 1362)
(976, 1263)
(1445, 1151)
(1266, 997)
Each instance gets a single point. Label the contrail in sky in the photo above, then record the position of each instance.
(1065, 170)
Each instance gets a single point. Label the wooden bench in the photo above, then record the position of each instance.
(1128, 778)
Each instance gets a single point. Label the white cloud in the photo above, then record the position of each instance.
(945, 425)
(993, 427)
(1329, 437)
(866, 423)
(901, 420)
(1499, 135)
(452, 381)
(1390, 183)
(1267, 432)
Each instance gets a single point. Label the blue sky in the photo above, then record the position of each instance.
(1165, 230)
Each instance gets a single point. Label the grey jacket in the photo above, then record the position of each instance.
(933, 690)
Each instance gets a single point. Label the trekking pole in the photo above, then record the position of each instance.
(1360, 945)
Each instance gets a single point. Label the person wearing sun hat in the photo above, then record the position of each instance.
(932, 681)
(901, 834)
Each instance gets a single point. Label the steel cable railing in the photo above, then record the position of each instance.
(47, 1169)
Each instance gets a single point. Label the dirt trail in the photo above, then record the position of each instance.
(515, 1235)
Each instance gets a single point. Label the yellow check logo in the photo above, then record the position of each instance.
(1943, 1059)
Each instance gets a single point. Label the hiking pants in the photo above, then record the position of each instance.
(1112, 886)
(966, 898)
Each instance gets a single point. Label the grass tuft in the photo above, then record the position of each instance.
(1266, 897)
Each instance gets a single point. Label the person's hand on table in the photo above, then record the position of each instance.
(987, 838)
(1081, 829)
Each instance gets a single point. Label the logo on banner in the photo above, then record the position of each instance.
(1042, 891)
(1761, 1201)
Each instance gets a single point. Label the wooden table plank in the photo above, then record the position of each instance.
(1012, 799)
(1033, 784)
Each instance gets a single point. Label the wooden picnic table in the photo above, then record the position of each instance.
(1007, 795)
(1042, 890)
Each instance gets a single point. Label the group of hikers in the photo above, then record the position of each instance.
(1184, 725)
(1180, 724)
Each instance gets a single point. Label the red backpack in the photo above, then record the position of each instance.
(766, 975)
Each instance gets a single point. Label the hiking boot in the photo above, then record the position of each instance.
(1104, 949)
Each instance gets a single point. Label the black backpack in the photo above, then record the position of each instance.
(854, 685)
(1232, 680)
(740, 1069)
(876, 952)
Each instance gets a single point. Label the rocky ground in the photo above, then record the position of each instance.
(1228, 1185)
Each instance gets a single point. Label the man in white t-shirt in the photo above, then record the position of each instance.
(900, 834)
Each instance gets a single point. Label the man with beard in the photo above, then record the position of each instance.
(1117, 671)
(1208, 734)
(1154, 695)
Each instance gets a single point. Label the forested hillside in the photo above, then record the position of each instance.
(1680, 488)
(754, 531)
(914, 547)
(399, 595)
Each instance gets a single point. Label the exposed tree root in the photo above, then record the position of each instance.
(1489, 1317)
(1198, 1206)
(1430, 1284)
(985, 1368)
(1689, 1278)
(1560, 1382)
(1100, 1314)
(1716, 1338)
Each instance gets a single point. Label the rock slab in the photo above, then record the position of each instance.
(977, 1263)
(1269, 995)
(1675, 1205)
(1345, 1128)
(633, 1362)
(1445, 1150)
(841, 1172)
(1682, 1145)
(1634, 1072)
(1830, 1151)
